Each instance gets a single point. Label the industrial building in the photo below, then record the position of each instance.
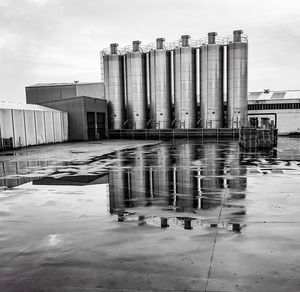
(85, 104)
(141, 81)
(23, 125)
(43, 92)
(87, 117)
(282, 108)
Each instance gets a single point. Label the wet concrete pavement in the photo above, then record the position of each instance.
(68, 238)
(56, 160)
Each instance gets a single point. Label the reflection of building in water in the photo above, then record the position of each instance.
(139, 179)
(118, 184)
(171, 176)
(186, 181)
(12, 172)
(160, 176)
(237, 181)
(212, 182)
(128, 181)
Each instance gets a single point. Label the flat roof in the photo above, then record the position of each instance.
(24, 106)
(274, 95)
(75, 97)
(63, 84)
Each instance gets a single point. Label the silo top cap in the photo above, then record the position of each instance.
(185, 40)
(185, 36)
(212, 38)
(113, 48)
(237, 31)
(237, 36)
(136, 46)
(160, 43)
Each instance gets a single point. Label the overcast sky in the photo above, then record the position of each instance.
(60, 40)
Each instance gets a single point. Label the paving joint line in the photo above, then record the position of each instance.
(215, 241)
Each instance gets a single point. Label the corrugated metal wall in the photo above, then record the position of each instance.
(31, 127)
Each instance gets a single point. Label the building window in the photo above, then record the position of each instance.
(272, 106)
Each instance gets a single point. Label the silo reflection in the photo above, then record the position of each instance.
(139, 179)
(160, 175)
(186, 182)
(118, 185)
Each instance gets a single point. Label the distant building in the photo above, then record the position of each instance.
(280, 107)
(85, 104)
(24, 125)
(42, 92)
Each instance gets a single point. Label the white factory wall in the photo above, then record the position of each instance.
(65, 132)
(49, 127)
(40, 128)
(19, 134)
(6, 125)
(32, 125)
(287, 120)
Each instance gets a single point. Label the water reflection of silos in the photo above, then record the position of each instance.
(236, 187)
(139, 180)
(212, 182)
(237, 181)
(185, 178)
(118, 187)
(161, 175)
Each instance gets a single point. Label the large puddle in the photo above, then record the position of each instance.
(188, 184)
(173, 184)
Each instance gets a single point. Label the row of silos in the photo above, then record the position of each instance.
(177, 70)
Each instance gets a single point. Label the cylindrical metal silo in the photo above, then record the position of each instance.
(136, 87)
(185, 84)
(237, 80)
(114, 87)
(211, 83)
(160, 86)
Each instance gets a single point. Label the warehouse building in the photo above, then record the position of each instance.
(282, 108)
(23, 125)
(87, 117)
(42, 92)
(85, 104)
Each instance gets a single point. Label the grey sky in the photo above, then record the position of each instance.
(59, 40)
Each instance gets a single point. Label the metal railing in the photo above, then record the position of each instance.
(176, 133)
(194, 43)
